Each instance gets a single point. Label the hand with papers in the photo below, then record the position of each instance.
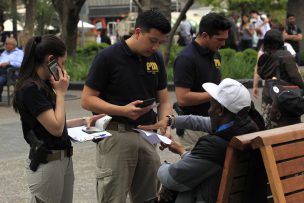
(153, 137)
(162, 124)
(86, 133)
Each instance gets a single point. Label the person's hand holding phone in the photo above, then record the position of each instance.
(132, 110)
(61, 85)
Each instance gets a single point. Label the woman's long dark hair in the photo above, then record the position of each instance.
(273, 41)
(36, 50)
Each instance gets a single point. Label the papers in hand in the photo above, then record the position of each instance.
(153, 137)
(79, 135)
(82, 133)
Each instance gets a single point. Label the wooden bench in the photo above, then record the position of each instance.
(282, 157)
(11, 75)
(282, 150)
(242, 165)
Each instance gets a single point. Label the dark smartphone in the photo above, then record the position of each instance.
(91, 130)
(54, 69)
(146, 102)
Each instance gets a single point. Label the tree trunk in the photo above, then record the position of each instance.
(14, 16)
(172, 33)
(3, 7)
(68, 11)
(29, 20)
(296, 7)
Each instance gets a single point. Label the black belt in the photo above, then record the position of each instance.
(59, 154)
(120, 126)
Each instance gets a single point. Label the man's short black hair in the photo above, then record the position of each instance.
(290, 15)
(254, 11)
(153, 19)
(212, 23)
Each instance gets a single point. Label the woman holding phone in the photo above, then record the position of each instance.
(39, 99)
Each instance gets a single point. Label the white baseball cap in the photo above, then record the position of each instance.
(229, 93)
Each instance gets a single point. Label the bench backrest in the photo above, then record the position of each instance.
(242, 165)
(282, 151)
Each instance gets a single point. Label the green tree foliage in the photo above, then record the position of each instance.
(276, 8)
(45, 12)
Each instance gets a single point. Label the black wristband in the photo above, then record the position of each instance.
(170, 117)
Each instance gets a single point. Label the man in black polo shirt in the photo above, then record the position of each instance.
(199, 63)
(293, 35)
(120, 78)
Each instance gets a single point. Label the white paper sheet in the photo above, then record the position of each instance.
(78, 135)
(153, 137)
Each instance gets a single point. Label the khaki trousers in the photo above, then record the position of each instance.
(52, 182)
(190, 138)
(126, 163)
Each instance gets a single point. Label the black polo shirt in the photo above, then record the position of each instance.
(194, 66)
(122, 77)
(32, 101)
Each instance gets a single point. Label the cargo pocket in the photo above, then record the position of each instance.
(104, 188)
(106, 144)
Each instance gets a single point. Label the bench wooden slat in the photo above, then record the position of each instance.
(226, 180)
(278, 135)
(236, 167)
(293, 184)
(283, 157)
(295, 198)
(272, 173)
(288, 150)
(291, 167)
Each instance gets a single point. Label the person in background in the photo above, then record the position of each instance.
(10, 57)
(196, 177)
(287, 105)
(3, 36)
(276, 62)
(197, 63)
(246, 32)
(287, 46)
(39, 100)
(261, 26)
(120, 78)
(104, 37)
(185, 32)
(293, 34)
(233, 36)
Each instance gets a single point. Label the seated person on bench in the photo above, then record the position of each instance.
(196, 177)
(11, 57)
(287, 106)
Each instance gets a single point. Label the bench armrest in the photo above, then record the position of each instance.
(12, 74)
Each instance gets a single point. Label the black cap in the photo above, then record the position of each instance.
(290, 101)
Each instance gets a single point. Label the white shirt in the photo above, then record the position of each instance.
(290, 49)
(287, 46)
(14, 57)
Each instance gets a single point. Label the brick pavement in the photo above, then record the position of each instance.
(13, 152)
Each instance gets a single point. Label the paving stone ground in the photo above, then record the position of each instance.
(14, 150)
